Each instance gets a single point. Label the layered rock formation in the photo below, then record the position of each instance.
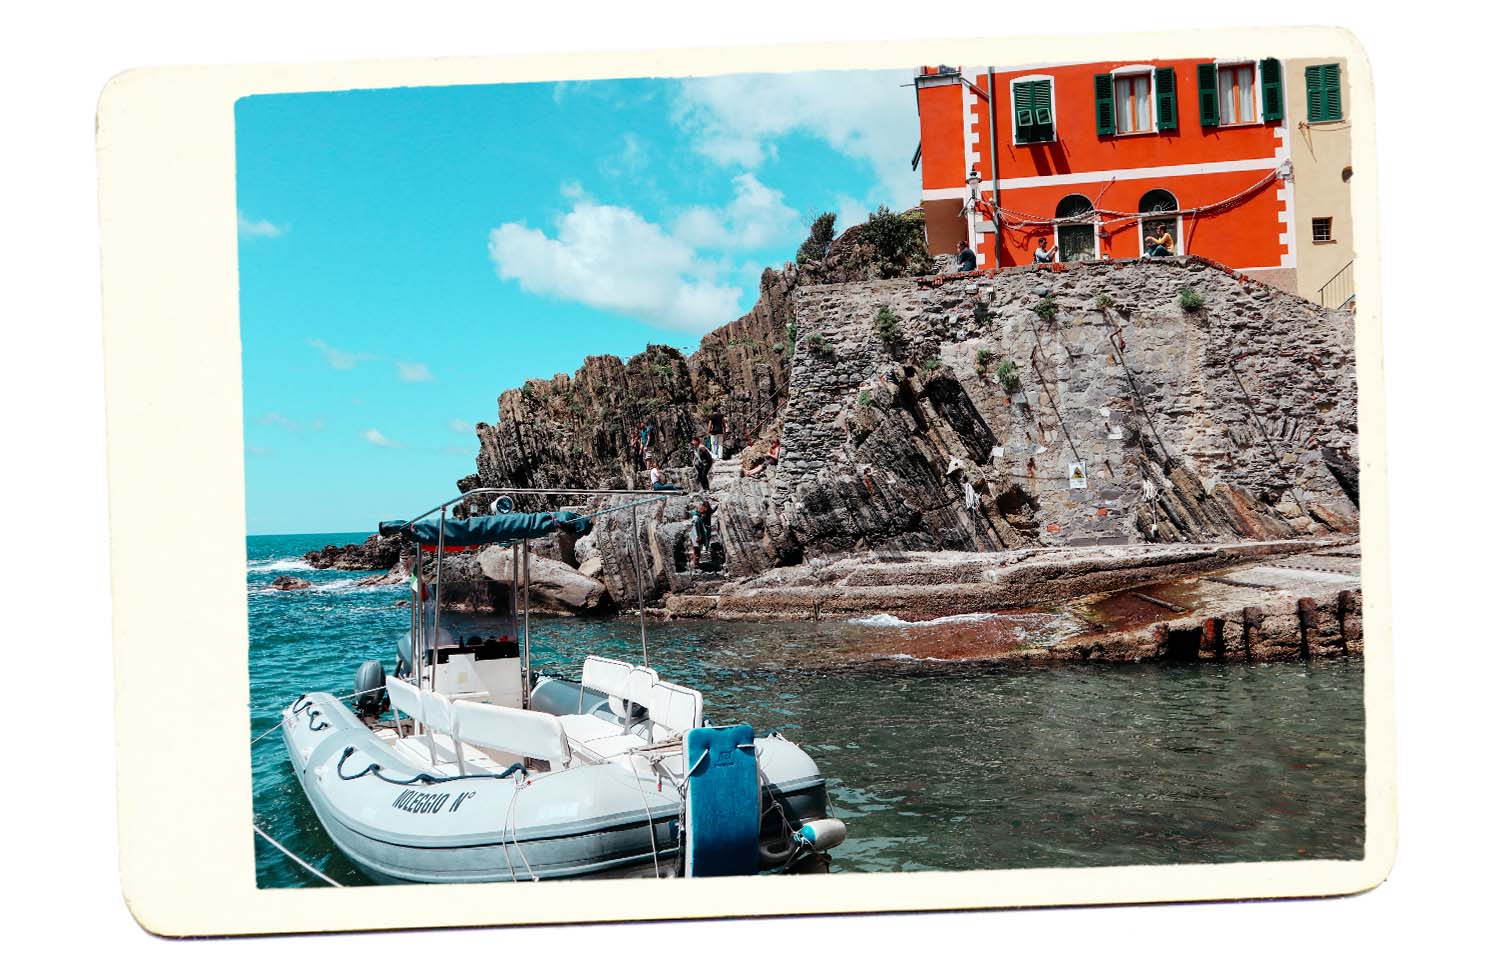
(1034, 407)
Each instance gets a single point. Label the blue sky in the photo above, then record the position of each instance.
(407, 254)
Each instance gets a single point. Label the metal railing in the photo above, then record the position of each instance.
(1338, 292)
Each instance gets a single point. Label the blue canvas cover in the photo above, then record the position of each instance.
(723, 796)
(511, 527)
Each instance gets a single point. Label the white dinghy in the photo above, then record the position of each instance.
(466, 766)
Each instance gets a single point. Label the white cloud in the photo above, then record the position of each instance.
(866, 115)
(413, 371)
(458, 426)
(849, 211)
(373, 436)
(756, 217)
(337, 359)
(259, 227)
(279, 420)
(610, 258)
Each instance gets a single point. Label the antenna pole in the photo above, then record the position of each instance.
(526, 650)
(640, 590)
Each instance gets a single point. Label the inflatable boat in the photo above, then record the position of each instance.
(464, 765)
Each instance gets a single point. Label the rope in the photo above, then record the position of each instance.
(424, 778)
(295, 858)
(1016, 218)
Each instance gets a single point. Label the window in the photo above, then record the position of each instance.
(1324, 100)
(1123, 100)
(1160, 200)
(1132, 103)
(1031, 100)
(1226, 93)
(1075, 240)
(1322, 229)
(1237, 94)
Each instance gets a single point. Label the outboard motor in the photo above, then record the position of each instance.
(369, 686)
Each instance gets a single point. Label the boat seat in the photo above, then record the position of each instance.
(588, 728)
(406, 699)
(442, 759)
(674, 710)
(533, 734)
(612, 745)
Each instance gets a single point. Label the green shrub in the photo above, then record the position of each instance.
(1103, 302)
(1047, 310)
(819, 238)
(1008, 375)
(899, 241)
(818, 343)
(865, 398)
(778, 347)
(887, 327)
(1190, 299)
(791, 331)
(983, 358)
(931, 364)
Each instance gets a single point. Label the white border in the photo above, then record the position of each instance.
(166, 191)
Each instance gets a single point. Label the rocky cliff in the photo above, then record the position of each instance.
(1105, 403)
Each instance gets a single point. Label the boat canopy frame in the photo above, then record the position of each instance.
(502, 502)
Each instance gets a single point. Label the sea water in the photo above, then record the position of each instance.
(933, 765)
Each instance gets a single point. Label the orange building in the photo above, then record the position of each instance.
(1098, 157)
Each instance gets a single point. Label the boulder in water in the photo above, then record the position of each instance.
(555, 587)
(290, 583)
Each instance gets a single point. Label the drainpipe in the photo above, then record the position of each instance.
(994, 167)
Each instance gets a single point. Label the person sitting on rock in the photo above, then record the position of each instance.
(1043, 254)
(658, 481)
(773, 456)
(967, 261)
(703, 461)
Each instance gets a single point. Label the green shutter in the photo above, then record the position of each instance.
(1331, 94)
(1208, 95)
(1324, 99)
(1316, 105)
(1166, 99)
(1033, 111)
(1021, 108)
(1271, 102)
(1104, 104)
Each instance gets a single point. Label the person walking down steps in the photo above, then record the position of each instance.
(716, 428)
(703, 461)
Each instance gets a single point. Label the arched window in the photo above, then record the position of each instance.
(1160, 200)
(1075, 240)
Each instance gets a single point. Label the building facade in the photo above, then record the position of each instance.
(1096, 158)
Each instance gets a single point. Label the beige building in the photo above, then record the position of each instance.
(1318, 123)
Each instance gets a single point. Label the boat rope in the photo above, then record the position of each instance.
(515, 836)
(426, 779)
(295, 858)
(650, 821)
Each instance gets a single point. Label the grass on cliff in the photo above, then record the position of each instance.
(887, 327)
(1190, 300)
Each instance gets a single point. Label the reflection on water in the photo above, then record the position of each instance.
(934, 765)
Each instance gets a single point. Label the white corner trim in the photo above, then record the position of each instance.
(1134, 69)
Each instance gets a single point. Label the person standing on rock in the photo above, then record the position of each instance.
(703, 522)
(703, 460)
(1043, 254)
(716, 426)
(967, 261)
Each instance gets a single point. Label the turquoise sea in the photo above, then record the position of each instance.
(933, 765)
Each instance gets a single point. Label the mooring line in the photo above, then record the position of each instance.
(294, 857)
